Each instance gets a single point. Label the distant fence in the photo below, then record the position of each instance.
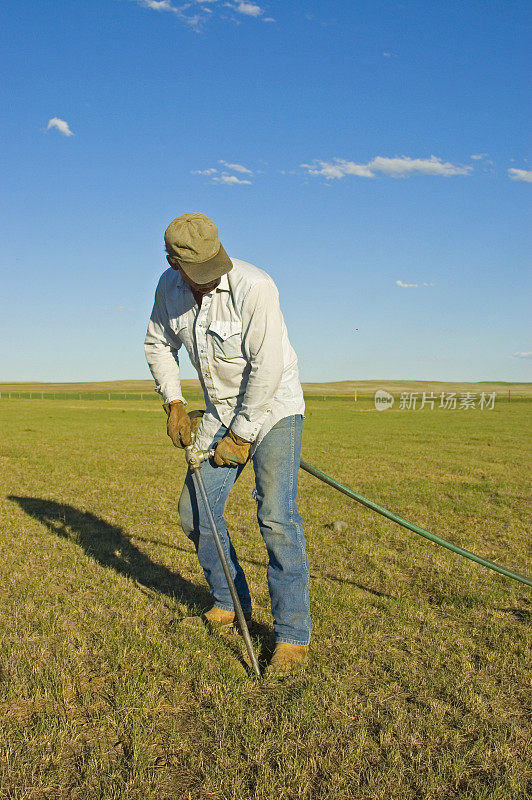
(502, 396)
(14, 395)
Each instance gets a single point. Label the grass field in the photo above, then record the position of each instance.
(420, 671)
(366, 389)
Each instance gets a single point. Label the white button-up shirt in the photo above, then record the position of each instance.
(238, 343)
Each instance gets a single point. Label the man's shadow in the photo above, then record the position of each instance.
(109, 546)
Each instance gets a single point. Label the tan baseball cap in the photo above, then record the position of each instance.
(193, 240)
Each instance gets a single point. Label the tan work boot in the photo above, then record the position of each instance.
(286, 657)
(220, 618)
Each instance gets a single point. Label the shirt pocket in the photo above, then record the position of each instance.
(225, 337)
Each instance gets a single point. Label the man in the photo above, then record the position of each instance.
(226, 313)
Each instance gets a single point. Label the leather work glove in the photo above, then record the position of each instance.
(231, 450)
(178, 424)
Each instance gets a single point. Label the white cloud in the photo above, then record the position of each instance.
(230, 180)
(195, 21)
(61, 126)
(398, 167)
(412, 285)
(236, 167)
(520, 175)
(158, 5)
(224, 176)
(339, 169)
(166, 5)
(478, 156)
(204, 10)
(249, 9)
(527, 354)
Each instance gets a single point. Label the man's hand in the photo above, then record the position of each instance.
(231, 450)
(178, 424)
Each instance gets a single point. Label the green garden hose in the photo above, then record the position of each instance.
(422, 532)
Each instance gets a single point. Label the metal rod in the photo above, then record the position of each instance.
(198, 480)
(415, 528)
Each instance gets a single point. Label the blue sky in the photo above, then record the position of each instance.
(372, 156)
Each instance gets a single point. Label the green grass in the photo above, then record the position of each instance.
(333, 389)
(420, 671)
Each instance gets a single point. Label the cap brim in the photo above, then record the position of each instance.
(208, 271)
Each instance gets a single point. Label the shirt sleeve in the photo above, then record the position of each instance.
(262, 332)
(161, 345)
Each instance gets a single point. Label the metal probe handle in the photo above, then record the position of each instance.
(195, 458)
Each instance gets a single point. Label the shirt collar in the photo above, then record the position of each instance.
(223, 286)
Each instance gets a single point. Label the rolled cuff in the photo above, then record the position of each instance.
(247, 429)
(171, 396)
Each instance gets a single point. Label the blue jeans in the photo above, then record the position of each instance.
(276, 465)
